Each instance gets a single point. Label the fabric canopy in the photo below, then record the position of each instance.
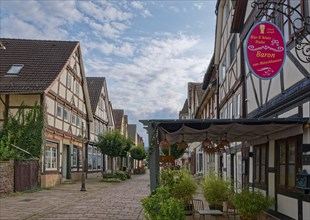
(254, 131)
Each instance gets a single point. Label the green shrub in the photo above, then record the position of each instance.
(251, 203)
(216, 190)
(162, 206)
(118, 175)
(139, 171)
(184, 188)
(121, 175)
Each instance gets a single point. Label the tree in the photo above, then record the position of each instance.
(138, 153)
(127, 144)
(111, 143)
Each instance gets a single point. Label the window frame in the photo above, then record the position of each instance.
(232, 50)
(61, 111)
(74, 161)
(286, 163)
(261, 164)
(51, 147)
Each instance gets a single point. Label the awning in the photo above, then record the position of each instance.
(254, 130)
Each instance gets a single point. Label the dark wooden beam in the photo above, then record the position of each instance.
(239, 14)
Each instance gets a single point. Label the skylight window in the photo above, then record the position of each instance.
(15, 69)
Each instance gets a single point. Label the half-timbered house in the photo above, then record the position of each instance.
(50, 73)
(275, 163)
(103, 122)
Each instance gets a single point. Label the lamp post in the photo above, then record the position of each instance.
(83, 177)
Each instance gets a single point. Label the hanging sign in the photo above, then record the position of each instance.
(265, 50)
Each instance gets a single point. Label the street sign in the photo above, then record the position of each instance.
(265, 50)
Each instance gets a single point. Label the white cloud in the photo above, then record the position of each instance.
(123, 50)
(155, 80)
(104, 12)
(199, 6)
(146, 13)
(137, 4)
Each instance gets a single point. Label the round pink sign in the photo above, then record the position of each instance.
(265, 50)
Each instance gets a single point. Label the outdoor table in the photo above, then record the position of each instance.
(204, 212)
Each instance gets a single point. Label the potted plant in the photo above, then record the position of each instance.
(162, 205)
(216, 191)
(184, 189)
(251, 203)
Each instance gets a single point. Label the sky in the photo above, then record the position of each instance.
(148, 51)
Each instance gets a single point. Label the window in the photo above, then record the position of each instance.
(200, 162)
(95, 158)
(223, 71)
(78, 121)
(75, 157)
(90, 158)
(51, 156)
(99, 161)
(69, 81)
(238, 106)
(66, 114)
(77, 88)
(96, 127)
(59, 111)
(73, 119)
(287, 162)
(260, 158)
(233, 49)
(80, 158)
(15, 69)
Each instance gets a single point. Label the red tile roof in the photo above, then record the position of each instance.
(42, 60)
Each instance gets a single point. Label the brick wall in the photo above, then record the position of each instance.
(6, 177)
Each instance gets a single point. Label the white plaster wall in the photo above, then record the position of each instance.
(306, 210)
(50, 105)
(50, 120)
(17, 100)
(62, 91)
(58, 124)
(291, 74)
(289, 113)
(275, 87)
(69, 96)
(66, 127)
(54, 87)
(306, 109)
(288, 206)
(63, 77)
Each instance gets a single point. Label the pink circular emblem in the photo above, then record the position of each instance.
(265, 50)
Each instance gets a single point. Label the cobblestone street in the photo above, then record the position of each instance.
(100, 201)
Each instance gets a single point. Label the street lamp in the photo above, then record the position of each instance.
(83, 141)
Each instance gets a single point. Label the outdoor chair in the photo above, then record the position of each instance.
(230, 210)
(197, 205)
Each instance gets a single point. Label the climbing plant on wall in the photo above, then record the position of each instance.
(22, 130)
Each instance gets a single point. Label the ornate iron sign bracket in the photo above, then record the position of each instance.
(299, 23)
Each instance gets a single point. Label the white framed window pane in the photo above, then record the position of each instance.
(90, 159)
(65, 114)
(59, 111)
(73, 119)
(54, 158)
(80, 157)
(75, 157)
